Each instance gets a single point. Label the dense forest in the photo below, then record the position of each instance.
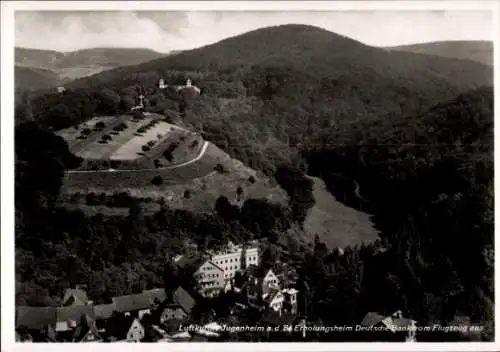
(411, 132)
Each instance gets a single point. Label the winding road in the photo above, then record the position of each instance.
(198, 157)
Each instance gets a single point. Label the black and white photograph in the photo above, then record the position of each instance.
(249, 173)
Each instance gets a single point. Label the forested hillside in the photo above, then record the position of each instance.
(479, 51)
(413, 132)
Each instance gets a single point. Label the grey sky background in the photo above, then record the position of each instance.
(164, 31)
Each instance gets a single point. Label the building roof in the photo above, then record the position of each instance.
(190, 262)
(403, 322)
(74, 313)
(372, 318)
(133, 302)
(104, 311)
(184, 299)
(34, 318)
(75, 296)
(156, 294)
(271, 295)
(87, 326)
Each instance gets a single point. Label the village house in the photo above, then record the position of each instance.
(86, 331)
(75, 297)
(179, 307)
(69, 318)
(274, 299)
(37, 322)
(395, 327)
(210, 277)
(126, 329)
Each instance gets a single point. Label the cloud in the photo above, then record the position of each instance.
(179, 30)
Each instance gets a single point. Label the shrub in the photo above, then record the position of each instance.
(220, 169)
(145, 148)
(251, 179)
(157, 180)
(187, 194)
(100, 125)
(194, 144)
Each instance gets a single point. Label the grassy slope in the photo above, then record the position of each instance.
(478, 51)
(204, 184)
(336, 224)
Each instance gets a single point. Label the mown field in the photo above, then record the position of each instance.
(126, 142)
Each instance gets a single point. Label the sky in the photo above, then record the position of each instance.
(164, 31)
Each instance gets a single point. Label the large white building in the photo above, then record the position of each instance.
(230, 261)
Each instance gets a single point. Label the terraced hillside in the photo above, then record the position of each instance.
(131, 143)
(194, 185)
(179, 167)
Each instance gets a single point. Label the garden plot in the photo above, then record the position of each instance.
(71, 134)
(133, 148)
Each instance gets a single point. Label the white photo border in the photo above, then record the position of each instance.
(7, 162)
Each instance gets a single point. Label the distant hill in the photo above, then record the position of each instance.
(313, 61)
(80, 63)
(305, 81)
(34, 78)
(478, 51)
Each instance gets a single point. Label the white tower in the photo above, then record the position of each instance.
(188, 83)
(161, 84)
(141, 98)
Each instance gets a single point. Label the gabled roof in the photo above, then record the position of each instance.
(184, 299)
(156, 294)
(271, 295)
(104, 311)
(191, 262)
(75, 296)
(372, 318)
(125, 325)
(85, 329)
(34, 318)
(133, 302)
(74, 313)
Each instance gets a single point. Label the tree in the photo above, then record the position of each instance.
(239, 192)
(157, 180)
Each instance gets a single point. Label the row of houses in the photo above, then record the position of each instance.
(79, 320)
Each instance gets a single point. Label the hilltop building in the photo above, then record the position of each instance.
(189, 86)
(161, 84)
